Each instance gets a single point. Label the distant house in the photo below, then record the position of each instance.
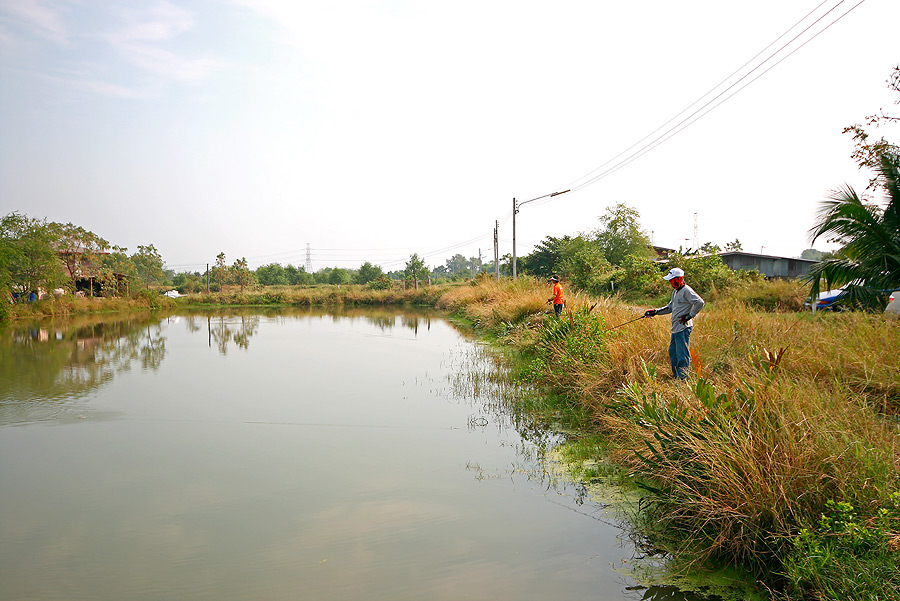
(662, 252)
(768, 265)
(86, 275)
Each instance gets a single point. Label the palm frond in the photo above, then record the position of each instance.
(890, 180)
(844, 217)
(869, 261)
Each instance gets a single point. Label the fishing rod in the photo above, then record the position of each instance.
(626, 323)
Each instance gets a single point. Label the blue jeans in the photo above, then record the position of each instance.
(680, 353)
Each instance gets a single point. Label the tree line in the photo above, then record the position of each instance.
(37, 255)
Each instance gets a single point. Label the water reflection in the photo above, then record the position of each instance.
(42, 365)
(46, 365)
(236, 326)
(239, 330)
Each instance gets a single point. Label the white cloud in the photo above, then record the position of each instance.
(7, 39)
(44, 18)
(147, 28)
(168, 64)
(157, 22)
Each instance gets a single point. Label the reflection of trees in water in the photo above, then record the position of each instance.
(388, 320)
(382, 322)
(238, 325)
(238, 329)
(414, 321)
(383, 318)
(49, 362)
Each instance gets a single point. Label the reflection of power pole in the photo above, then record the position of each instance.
(496, 251)
(308, 259)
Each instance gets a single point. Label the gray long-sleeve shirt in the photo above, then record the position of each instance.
(684, 302)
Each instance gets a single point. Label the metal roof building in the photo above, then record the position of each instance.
(769, 265)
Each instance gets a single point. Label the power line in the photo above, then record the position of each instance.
(694, 117)
(711, 90)
(629, 157)
(700, 112)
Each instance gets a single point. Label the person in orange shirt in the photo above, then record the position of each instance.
(557, 298)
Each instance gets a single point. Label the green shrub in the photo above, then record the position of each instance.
(152, 299)
(382, 282)
(847, 556)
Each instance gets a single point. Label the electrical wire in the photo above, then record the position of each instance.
(711, 90)
(694, 117)
(599, 173)
(706, 108)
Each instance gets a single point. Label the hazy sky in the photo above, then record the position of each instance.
(374, 129)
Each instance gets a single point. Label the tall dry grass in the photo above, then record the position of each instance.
(318, 296)
(73, 305)
(791, 410)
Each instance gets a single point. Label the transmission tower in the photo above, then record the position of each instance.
(696, 235)
(308, 259)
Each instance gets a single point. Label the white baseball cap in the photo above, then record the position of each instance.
(674, 273)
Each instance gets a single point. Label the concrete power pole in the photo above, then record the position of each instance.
(515, 210)
(496, 250)
(696, 235)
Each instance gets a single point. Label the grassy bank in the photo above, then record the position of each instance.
(295, 296)
(69, 305)
(780, 456)
(286, 296)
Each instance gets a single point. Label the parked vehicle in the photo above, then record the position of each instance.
(893, 306)
(826, 300)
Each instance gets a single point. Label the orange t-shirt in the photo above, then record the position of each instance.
(557, 294)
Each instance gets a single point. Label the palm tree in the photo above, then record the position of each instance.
(869, 261)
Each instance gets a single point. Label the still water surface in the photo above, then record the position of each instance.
(292, 455)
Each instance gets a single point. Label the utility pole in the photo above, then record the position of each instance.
(696, 236)
(207, 278)
(516, 210)
(496, 250)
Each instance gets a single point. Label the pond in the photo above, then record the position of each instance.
(282, 455)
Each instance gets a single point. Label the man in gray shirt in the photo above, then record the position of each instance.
(684, 306)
